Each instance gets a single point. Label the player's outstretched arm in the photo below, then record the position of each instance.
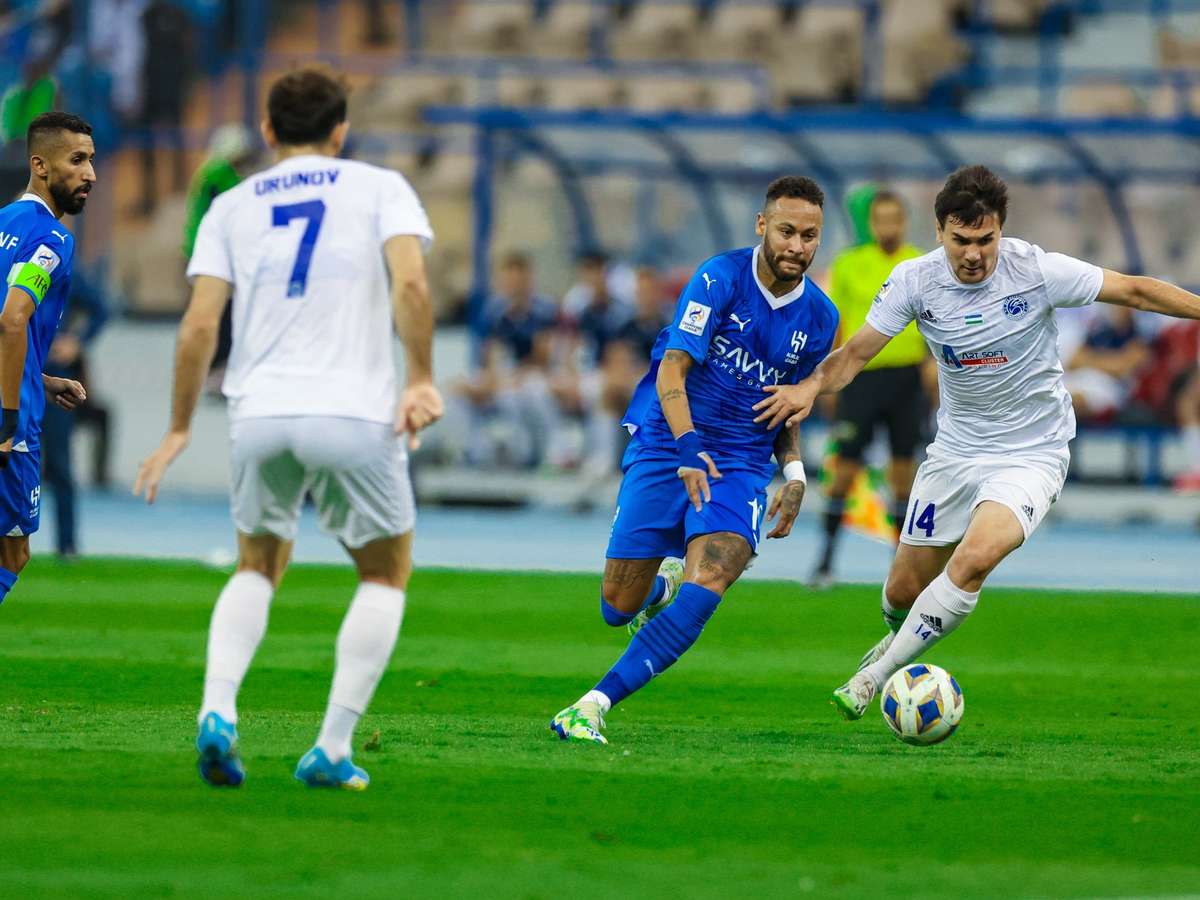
(14, 342)
(787, 500)
(1150, 294)
(793, 402)
(194, 349)
(696, 466)
(420, 402)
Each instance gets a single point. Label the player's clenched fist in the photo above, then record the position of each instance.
(787, 403)
(420, 406)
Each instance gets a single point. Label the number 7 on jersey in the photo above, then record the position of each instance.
(281, 216)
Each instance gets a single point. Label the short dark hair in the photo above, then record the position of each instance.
(970, 195)
(305, 106)
(886, 195)
(516, 259)
(51, 123)
(797, 187)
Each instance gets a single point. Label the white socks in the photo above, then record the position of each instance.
(364, 646)
(238, 622)
(1191, 448)
(598, 697)
(939, 609)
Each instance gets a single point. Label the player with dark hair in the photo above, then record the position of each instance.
(747, 319)
(326, 258)
(889, 393)
(37, 253)
(985, 305)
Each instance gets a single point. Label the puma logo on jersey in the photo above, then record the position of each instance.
(708, 282)
(61, 235)
(733, 317)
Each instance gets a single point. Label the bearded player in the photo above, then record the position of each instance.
(698, 466)
(36, 253)
(985, 305)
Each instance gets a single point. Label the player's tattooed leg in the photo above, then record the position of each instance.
(714, 561)
(627, 581)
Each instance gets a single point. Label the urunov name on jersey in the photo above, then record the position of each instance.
(742, 339)
(999, 374)
(312, 319)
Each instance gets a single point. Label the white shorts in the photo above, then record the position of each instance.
(948, 488)
(356, 472)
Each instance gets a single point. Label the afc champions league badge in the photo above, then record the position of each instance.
(1016, 306)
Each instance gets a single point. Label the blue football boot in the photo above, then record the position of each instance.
(219, 762)
(315, 770)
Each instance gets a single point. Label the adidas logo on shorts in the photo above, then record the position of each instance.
(1028, 511)
(934, 622)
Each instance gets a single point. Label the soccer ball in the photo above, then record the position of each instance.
(922, 704)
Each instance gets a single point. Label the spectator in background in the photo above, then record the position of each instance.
(597, 284)
(117, 45)
(232, 155)
(624, 361)
(86, 316)
(166, 69)
(1100, 372)
(504, 412)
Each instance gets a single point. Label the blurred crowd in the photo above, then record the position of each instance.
(554, 376)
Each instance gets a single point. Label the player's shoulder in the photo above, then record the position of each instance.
(372, 177)
(46, 233)
(1021, 262)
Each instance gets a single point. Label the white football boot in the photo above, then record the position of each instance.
(672, 572)
(853, 697)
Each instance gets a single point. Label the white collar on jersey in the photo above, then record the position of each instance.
(28, 195)
(777, 302)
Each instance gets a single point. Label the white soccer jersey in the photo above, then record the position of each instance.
(999, 373)
(302, 244)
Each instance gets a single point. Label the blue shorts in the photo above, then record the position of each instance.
(20, 494)
(655, 517)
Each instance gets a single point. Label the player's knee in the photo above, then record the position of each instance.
(722, 560)
(624, 598)
(969, 566)
(262, 566)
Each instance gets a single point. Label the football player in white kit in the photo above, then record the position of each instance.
(322, 256)
(985, 305)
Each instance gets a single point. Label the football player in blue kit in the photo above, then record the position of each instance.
(697, 468)
(36, 254)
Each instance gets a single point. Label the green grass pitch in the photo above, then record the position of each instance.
(1073, 774)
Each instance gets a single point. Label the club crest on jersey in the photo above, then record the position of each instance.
(973, 358)
(1015, 306)
(799, 341)
(695, 317)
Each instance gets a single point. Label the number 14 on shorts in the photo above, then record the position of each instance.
(924, 521)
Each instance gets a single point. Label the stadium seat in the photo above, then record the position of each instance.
(1016, 15)
(493, 26)
(743, 31)
(1100, 101)
(919, 46)
(518, 91)
(399, 100)
(565, 31)
(657, 29)
(657, 93)
(583, 91)
(819, 57)
(733, 95)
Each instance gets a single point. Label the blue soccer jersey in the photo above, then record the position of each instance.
(742, 338)
(36, 252)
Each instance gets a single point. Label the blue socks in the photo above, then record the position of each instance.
(7, 580)
(664, 639)
(616, 618)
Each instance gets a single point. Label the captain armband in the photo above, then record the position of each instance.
(32, 278)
